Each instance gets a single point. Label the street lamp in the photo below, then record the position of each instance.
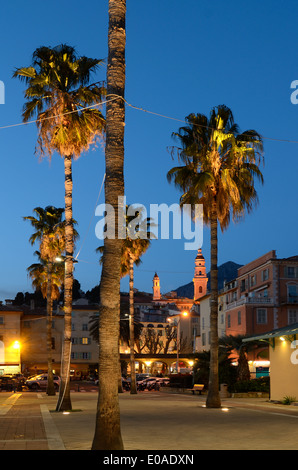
(184, 314)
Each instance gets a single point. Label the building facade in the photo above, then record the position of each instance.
(263, 297)
(10, 339)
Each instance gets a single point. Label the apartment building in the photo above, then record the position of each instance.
(10, 335)
(263, 297)
(203, 341)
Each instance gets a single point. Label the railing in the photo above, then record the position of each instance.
(249, 300)
(290, 299)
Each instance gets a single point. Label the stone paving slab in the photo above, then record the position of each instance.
(149, 421)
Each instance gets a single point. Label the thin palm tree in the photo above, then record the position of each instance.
(59, 95)
(220, 166)
(137, 241)
(48, 277)
(107, 434)
(50, 233)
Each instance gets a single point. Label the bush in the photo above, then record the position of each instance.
(288, 400)
(261, 384)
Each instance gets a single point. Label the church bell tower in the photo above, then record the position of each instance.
(200, 278)
(156, 287)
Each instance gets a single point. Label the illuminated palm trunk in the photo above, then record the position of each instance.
(107, 430)
(133, 385)
(50, 384)
(64, 401)
(213, 397)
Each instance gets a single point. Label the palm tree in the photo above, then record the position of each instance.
(107, 434)
(46, 275)
(48, 278)
(137, 241)
(59, 96)
(219, 169)
(236, 344)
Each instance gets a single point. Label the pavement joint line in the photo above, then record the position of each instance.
(54, 439)
(288, 415)
(9, 402)
(23, 440)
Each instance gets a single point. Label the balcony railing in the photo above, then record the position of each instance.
(249, 300)
(290, 299)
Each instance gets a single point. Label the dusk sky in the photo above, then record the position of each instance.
(182, 57)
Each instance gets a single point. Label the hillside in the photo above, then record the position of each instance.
(226, 272)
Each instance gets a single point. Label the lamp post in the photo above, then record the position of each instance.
(184, 314)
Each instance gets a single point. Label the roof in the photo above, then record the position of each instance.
(288, 330)
(10, 308)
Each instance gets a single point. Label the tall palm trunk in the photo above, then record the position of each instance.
(64, 401)
(50, 385)
(107, 429)
(133, 385)
(213, 397)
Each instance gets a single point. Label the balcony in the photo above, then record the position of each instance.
(290, 299)
(250, 301)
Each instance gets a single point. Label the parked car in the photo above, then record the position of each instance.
(163, 381)
(8, 383)
(39, 382)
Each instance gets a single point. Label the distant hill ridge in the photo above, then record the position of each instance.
(226, 272)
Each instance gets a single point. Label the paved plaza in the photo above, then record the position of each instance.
(149, 421)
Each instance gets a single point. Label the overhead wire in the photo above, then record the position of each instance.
(115, 97)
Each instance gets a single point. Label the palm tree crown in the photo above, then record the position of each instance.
(58, 94)
(219, 165)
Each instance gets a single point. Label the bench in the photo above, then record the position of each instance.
(197, 388)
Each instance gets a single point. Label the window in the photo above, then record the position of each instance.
(293, 316)
(291, 272)
(203, 339)
(53, 343)
(261, 316)
(80, 355)
(239, 318)
(222, 318)
(243, 285)
(85, 327)
(86, 355)
(265, 275)
(253, 280)
(1, 320)
(292, 294)
(85, 340)
(229, 321)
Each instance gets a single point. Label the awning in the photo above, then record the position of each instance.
(289, 330)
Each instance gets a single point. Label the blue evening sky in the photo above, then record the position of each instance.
(182, 57)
